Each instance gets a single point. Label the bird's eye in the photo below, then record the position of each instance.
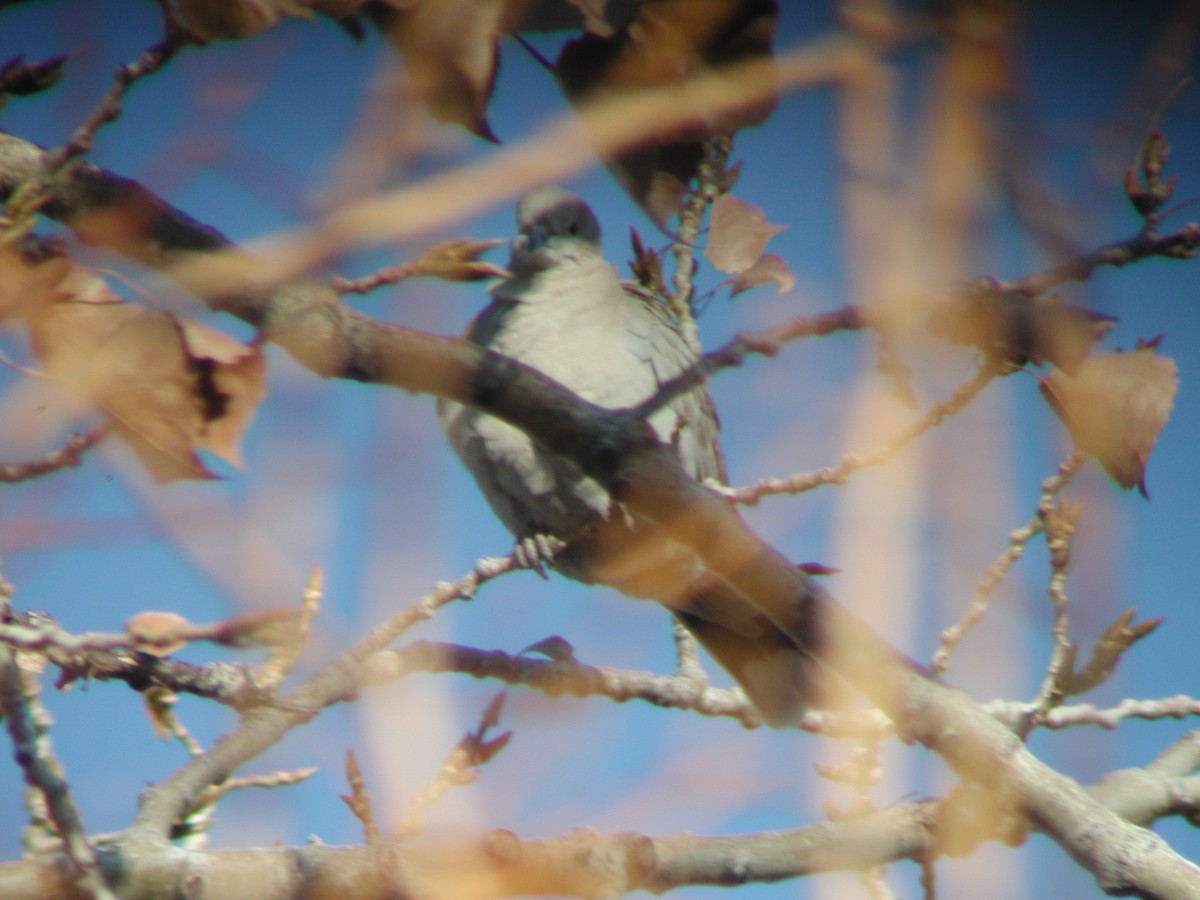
(573, 228)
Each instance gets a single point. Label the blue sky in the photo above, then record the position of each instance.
(252, 138)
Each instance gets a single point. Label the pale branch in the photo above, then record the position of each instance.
(583, 863)
(215, 792)
(1018, 541)
(27, 724)
(68, 456)
(1013, 712)
(338, 680)
(557, 677)
(854, 462)
(1181, 758)
(666, 508)
(234, 685)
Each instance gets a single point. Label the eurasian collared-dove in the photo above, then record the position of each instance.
(565, 312)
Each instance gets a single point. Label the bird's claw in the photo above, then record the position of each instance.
(536, 552)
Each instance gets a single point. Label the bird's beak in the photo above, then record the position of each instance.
(535, 238)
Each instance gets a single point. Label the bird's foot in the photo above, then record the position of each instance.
(537, 551)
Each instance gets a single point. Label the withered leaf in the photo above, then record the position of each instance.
(458, 260)
(169, 386)
(25, 287)
(738, 234)
(211, 20)
(451, 53)
(1114, 406)
(770, 268)
(667, 42)
(1018, 330)
(1111, 646)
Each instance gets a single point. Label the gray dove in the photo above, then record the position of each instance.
(565, 312)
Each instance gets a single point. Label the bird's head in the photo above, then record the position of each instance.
(555, 226)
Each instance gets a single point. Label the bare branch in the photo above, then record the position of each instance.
(66, 457)
(853, 462)
(1018, 540)
(28, 726)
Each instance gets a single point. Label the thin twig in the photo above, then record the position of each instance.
(764, 343)
(853, 462)
(283, 658)
(461, 767)
(1018, 540)
(359, 799)
(68, 456)
(1059, 522)
(1013, 712)
(1183, 243)
(426, 607)
(57, 163)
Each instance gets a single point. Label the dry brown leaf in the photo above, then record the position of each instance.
(169, 387)
(738, 235)
(769, 268)
(212, 20)
(458, 260)
(450, 53)
(600, 17)
(667, 42)
(24, 286)
(1017, 330)
(1115, 405)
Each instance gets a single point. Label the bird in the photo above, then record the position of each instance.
(564, 311)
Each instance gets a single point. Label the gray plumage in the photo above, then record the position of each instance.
(565, 312)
